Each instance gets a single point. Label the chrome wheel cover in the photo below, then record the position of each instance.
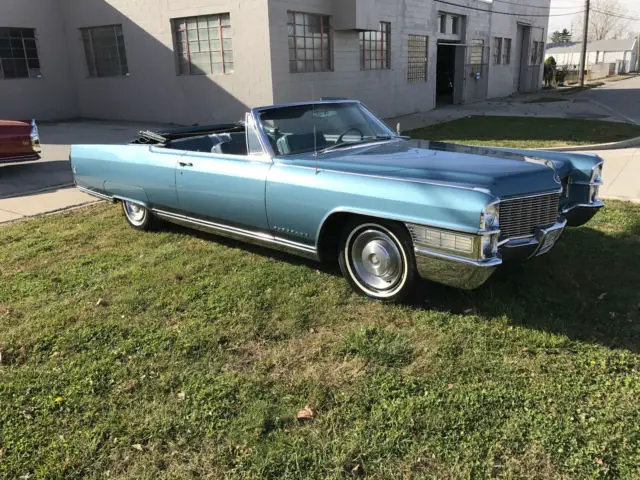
(376, 260)
(135, 213)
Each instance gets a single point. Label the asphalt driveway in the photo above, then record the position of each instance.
(621, 97)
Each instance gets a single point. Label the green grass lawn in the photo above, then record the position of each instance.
(527, 132)
(201, 351)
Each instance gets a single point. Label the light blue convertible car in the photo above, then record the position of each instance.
(328, 180)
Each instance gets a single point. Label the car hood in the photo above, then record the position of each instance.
(503, 173)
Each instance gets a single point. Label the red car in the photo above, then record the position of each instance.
(19, 141)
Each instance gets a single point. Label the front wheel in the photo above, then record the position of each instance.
(377, 260)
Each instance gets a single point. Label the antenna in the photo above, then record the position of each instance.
(315, 138)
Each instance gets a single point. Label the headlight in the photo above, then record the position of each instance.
(490, 217)
(490, 246)
(594, 183)
(596, 175)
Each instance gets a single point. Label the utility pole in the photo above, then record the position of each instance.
(585, 33)
(638, 55)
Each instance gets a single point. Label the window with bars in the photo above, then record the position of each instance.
(203, 44)
(537, 53)
(540, 53)
(309, 42)
(375, 52)
(18, 53)
(104, 51)
(417, 58)
(476, 52)
(506, 51)
(455, 25)
(497, 50)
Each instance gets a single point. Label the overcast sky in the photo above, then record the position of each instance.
(632, 8)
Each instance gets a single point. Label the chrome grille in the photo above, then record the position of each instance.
(521, 216)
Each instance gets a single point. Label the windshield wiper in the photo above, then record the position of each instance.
(359, 142)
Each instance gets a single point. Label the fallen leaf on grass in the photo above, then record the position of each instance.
(358, 470)
(599, 461)
(181, 396)
(305, 414)
(101, 302)
(138, 447)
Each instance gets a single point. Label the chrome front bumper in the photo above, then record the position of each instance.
(581, 213)
(453, 270)
(467, 273)
(541, 242)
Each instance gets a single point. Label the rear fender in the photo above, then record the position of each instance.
(127, 193)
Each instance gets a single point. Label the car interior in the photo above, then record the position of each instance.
(233, 143)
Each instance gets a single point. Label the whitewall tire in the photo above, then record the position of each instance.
(377, 259)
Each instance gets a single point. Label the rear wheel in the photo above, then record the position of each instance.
(138, 216)
(377, 259)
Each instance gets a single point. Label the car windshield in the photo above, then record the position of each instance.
(320, 127)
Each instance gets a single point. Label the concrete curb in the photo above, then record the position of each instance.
(630, 143)
(50, 188)
(57, 211)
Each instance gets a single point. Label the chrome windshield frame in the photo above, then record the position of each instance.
(264, 138)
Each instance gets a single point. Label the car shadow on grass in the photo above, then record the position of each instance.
(587, 288)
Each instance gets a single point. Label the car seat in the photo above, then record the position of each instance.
(300, 142)
(229, 143)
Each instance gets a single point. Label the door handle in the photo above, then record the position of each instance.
(185, 164)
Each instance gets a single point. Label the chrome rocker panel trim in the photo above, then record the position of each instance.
(256, 238)
(453, 270)
(99, 195)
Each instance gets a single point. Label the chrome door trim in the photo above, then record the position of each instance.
(258, 238)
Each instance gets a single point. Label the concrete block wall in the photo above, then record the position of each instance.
(52, 96)
(153, 90)
(387, 92)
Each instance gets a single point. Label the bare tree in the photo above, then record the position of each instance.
(602, 24)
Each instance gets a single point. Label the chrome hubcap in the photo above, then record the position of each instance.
(134, 212)
(376, 259)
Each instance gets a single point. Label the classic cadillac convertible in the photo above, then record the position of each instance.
(328, 180)
(19, 141)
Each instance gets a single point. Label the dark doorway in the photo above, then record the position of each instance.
(445, 74)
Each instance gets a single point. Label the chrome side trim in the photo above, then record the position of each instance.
(249, 236)
(383, 177)
(95, 194)
(596, 204)
(404, 221)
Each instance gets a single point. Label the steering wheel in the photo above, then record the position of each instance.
(347, 131)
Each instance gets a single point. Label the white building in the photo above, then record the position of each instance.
(188, 61)
(622, 53)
